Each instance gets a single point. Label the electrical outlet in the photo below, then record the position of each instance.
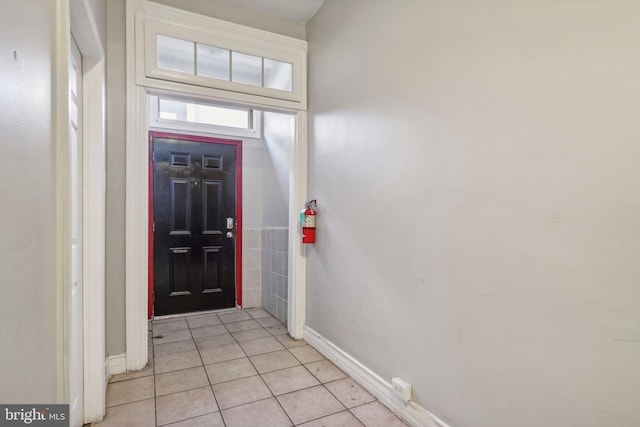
(402, 388)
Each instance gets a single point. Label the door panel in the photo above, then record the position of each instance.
(180, 208)
(211, 269)
(194, 192)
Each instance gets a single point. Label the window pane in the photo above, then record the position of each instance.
(246, 69)
(278, 75)
(172, 110)
(204, 114)
(213, 62)
(175, 54)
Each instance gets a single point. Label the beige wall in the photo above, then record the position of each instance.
(279, 136)
(232, 12)
(115, 218)
(31, 345)
(115, 274)
(265, 170)
(99, 9)
(265, 198)
(28, 333)
(476, 169)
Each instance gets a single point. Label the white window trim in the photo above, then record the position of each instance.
(156, 121)
(137, 177)
(153, 19)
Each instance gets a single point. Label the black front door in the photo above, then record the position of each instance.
(194, 214)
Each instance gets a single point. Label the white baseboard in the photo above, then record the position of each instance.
(411, 412)
(116, 365)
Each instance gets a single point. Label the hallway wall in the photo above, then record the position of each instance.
(116, 186)
(263, 206)
(476, 170)
(116, 82)
(233, 12)
(30, 305)
(279, 138)
(27, 189)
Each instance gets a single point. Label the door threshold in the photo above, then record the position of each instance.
(195, 313)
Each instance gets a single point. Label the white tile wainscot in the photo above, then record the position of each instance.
(274, 271)
(252, 267)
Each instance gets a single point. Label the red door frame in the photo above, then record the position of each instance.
(238, 145)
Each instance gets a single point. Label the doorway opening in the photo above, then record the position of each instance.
(195, 234)
(147, 73)
(260, 228)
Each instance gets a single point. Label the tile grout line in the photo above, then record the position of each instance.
(223, 382)
(202, 364)
(248, 357)
(269, 388)
(321, 384)
(132, 379)
(155, 394)
(243, 352)
(236, 341)
(187, 419)
(333, 394)
(227, 360)
(260, 375)
(215, 399)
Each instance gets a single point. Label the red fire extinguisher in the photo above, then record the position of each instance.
(308, 219)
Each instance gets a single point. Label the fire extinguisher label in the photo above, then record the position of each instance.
(309, 221)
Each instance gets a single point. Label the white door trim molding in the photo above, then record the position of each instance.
(137, 191)
(95, 383)
(297, 273)
(62, 195)
(76, 15)
(85, 30)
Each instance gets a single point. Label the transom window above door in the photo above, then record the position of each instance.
(232, 58)
(201, 116)
(214, 62)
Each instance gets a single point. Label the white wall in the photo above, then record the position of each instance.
(279, 136)
(99, 9)
(31, 344)
(252, 176)
(476, 169)
(265, 202)
(265, 169)
(27, 216)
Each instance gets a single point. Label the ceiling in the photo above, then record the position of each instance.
(293, 10)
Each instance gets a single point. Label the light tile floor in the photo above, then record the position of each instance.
(237, 369)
